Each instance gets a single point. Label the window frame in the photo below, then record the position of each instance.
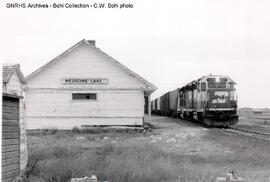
(203, 86)
(84, 99)
(231, 85)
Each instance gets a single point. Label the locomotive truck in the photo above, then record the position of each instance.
(211, 100)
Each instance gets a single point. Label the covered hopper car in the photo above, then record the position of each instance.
(210, 100)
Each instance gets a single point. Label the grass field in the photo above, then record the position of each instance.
(126, 155)
(256, 122)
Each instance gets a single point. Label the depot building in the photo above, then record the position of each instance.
(85, 87)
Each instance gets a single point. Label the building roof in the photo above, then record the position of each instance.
(91, 43)
(11, 95)
(8, 70)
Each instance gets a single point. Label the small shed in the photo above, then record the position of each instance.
(10, 137)
(13, 131)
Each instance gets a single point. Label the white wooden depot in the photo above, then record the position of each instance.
(120, 93)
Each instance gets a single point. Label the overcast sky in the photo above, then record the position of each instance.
(169, 43)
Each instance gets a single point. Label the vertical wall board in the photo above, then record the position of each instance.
(10, 138)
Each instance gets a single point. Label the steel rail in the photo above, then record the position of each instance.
(249, 133)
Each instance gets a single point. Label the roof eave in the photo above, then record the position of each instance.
(123, 67)
(20, 75)
(153, 87)
(28, 77)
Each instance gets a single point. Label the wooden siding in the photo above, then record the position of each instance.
(10, 138)
(110, 108)
(84, 61)
(49, 102)
(108, 103)
(15, 86)
(69, 122)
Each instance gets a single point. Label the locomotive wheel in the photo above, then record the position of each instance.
(208, 122)
(200, 117)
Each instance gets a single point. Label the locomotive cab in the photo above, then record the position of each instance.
(221, 102)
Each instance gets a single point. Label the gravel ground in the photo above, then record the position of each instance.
(184, 137)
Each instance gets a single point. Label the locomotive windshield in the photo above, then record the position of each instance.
(217, 85)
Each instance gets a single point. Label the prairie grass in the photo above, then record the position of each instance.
(131, 158)
(113, 163)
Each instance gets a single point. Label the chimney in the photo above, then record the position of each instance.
(92, 42)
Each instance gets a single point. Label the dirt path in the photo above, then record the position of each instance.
(184, 137)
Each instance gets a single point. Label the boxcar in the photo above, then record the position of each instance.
(168, 103)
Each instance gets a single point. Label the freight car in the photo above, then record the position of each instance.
(166, 105)
(210, 100)
(155, 106)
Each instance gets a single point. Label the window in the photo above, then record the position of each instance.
(203, 86)
(223, 79)
(217, 79)
(84, 96)
(211, 79)
(231, 85)
(146, 111)
(181, 95)
(217, 85)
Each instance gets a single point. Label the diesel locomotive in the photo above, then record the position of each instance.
(211, 100)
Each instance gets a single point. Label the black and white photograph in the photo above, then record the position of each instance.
(135, 91)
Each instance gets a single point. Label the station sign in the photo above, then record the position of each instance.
(85, 81)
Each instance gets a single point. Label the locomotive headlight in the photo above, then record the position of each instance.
(217, 79)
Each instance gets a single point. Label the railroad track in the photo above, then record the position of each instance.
(249, 133)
